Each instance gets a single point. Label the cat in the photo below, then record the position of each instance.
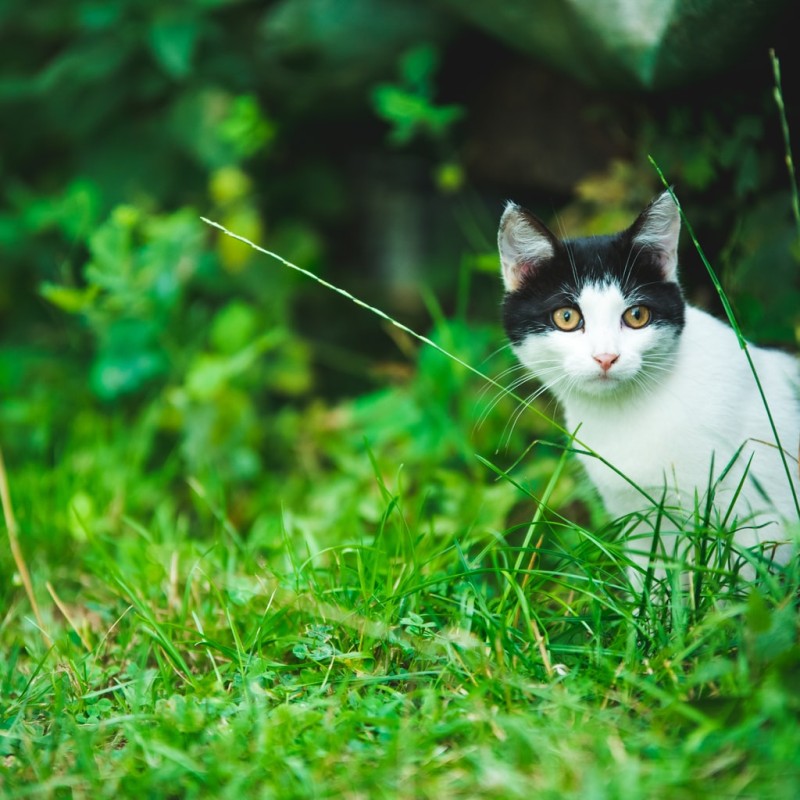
(659, 389)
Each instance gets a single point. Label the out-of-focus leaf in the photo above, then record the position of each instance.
(209, 372)
(80, 515)
(411, 114)
(245, 127)
(110, 246)
(417, 68)
(289, 372)
(173, 40)
(75, 211)
(68, 298)
(409, 106)
(218, 128)
(84, 62)
(233, 327)
(129, 357)
(117, 374)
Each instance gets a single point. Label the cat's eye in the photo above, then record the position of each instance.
(636, 316)
(567, 318)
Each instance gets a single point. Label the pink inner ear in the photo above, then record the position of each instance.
(518, 273)
(526, 269)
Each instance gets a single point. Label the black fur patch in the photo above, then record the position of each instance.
(579, 262)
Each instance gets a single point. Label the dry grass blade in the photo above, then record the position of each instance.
(16, 550)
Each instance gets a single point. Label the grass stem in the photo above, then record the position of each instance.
(778, 94)
(16, 549)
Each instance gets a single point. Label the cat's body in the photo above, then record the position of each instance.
(660, 390)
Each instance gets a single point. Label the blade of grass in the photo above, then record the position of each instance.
(533, 526)
(154, 628)
(67, 616)
(778, 94)
(735, 325)
(16, 550)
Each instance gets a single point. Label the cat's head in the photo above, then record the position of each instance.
(598, 315)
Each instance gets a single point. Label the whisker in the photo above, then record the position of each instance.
(495, 353)
(515, 417)
(524, 405)
(541, 376)
(498, 397)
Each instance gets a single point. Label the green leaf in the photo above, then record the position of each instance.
(68, 298)
(210, 372)
(233, 327)
(129, 358)
(245, 127)
(173, 41)
(114, 375)
(418, 66)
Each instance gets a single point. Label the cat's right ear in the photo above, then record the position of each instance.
(657, 229)
(525, 245)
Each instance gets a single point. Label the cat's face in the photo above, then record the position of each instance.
(594, 316)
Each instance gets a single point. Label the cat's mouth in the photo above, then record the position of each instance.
(605, 381)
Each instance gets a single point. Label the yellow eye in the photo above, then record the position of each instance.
(636, 316)
(567, 319)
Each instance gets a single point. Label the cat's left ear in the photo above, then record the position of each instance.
(658, 228)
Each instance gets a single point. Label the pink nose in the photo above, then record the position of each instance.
(605, 360)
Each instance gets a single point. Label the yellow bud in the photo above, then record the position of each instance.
(229, 184)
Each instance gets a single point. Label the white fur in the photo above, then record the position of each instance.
(670, 404)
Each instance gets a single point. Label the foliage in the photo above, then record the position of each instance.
(409, 106)
(254, 586)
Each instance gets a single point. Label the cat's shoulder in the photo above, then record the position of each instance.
(714, 339)
(705, 331)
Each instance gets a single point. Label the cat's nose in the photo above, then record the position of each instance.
(605, 360)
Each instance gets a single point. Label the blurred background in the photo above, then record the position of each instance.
(372, 142)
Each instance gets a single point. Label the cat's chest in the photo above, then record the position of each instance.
(653, 444)
(639, 436)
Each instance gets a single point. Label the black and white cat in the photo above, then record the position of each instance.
(654, 386)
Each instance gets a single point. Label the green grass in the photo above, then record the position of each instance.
(408, 613)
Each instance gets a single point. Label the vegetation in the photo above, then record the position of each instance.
(265, 543)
